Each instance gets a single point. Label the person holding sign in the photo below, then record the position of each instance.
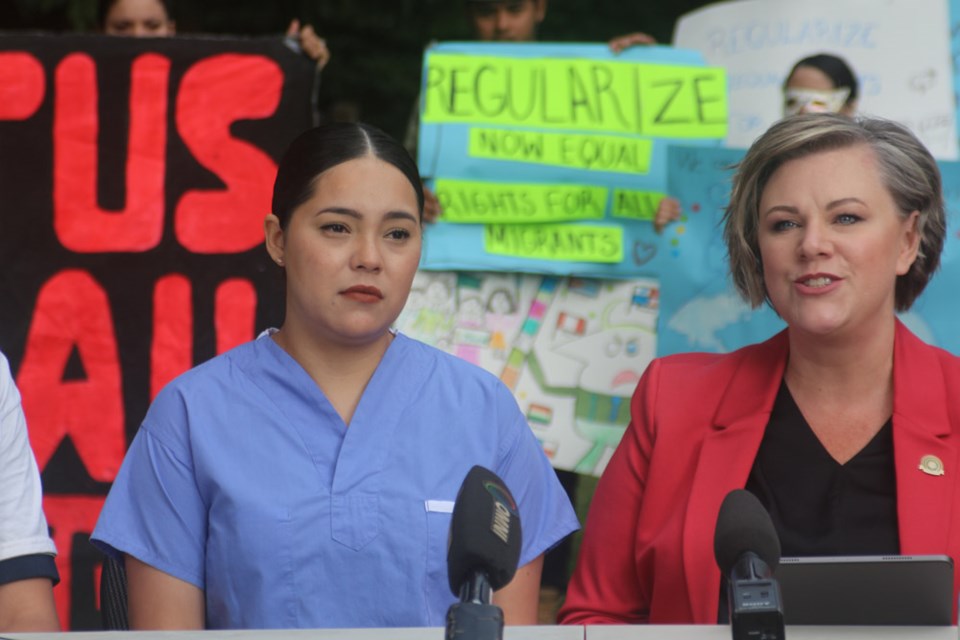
(844, 425)
(137, 18)
(27, 569)
(154, 19)
(506, 20)
(306, 479)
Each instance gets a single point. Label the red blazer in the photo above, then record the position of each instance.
(696, 425)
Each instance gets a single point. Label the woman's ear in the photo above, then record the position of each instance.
(273, 234)
(910, 246)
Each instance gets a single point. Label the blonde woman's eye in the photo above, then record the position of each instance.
(848, 218)
(783, 225)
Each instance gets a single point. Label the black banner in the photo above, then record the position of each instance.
(134, 179)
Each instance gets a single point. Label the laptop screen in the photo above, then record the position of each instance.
(867, 590)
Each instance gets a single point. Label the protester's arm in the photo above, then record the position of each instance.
(668, 210)
(157, 600)
(431, 205)
(620, 43)
(27, 605)
(313, 46)
(521, 598)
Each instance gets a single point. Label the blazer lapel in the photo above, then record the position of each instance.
(726, 457)
(925, 459)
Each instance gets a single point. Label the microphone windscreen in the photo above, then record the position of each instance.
(744, 525)
(484, 531)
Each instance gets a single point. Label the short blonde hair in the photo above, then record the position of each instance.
(907, 170)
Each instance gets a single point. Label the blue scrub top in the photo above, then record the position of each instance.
(244, 481)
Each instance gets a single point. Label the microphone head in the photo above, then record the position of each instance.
(484, 531)
(744, 525)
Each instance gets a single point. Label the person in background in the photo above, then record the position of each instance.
(306, 479)
(844, 425)
(154, 19)
(27, 569)
(821, 83)
(506, 20)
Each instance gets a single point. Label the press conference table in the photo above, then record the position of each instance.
(640, 632)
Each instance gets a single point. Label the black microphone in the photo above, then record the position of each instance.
(748, 550)
(482, 554)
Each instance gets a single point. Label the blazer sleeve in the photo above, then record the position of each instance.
(605, 587)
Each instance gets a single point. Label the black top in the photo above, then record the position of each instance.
(820, 507)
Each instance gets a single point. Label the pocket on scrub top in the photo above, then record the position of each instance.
(356, 519)
(439, 513)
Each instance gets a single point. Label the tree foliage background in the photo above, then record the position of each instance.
(376, 45)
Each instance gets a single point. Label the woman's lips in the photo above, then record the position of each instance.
(817, 282)
(363, 293)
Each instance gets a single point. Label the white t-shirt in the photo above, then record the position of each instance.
(23, 527)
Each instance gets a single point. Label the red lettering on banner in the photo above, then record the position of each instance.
(235, 310)
(22, 85)
(214, 94)
(68, 516)
(171, 351)
(81, 225)
(72, 312)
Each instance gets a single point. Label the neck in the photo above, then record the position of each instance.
(842, 365)
(342, 371)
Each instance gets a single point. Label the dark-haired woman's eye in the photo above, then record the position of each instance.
(398, 234)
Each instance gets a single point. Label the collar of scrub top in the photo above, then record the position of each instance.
(813, 101)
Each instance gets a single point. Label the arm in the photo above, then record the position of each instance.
(606, 587)
(520, 599)
(620, 43)
(27, 605)
(26, 592)
(312, 45)
(668, 210)
(431, 205)
(157, 600)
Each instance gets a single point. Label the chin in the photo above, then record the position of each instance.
(359, 335)
(819, 326)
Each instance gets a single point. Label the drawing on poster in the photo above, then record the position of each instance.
(571, 350)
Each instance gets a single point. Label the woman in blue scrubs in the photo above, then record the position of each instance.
(306, 479)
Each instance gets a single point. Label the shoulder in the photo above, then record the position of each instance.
(211, 373)
(711, 369)
(9, 397)
(13, 428)
(916, 355)
(451, 386)
(207, 387)
(454, 369)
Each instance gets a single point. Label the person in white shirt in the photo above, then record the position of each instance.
(27, 569)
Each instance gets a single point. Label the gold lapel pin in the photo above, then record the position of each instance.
(931, 465)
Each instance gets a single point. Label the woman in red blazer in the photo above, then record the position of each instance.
(844, 424)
